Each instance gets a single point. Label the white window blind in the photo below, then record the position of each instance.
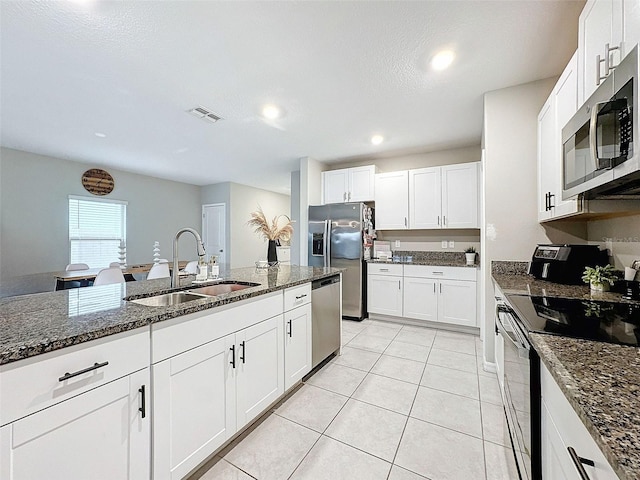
(96, 228)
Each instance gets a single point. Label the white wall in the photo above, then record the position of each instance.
(246, 246)
(624, 233)
(34, 198)
(511, 229)
(310, 194)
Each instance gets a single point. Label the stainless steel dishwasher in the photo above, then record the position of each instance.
(325, 318)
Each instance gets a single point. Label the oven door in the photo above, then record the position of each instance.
(517, 388)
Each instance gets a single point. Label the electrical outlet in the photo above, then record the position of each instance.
(444, 244)
(452, 244)
(397, 243)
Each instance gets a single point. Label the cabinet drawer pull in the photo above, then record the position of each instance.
(384, 269)
(444, 220)
(578, 462)
(290, 329)
(438, 220)
(344, 196)
(399, 286)
(233, 356)
(438, 273)
(95, 366)
(434, 288)
(243, 353)
(298, 297)
(143, 404)
(405, 221)
(440, 288)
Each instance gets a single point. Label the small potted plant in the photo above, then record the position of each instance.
(470, 253)
(599, 278)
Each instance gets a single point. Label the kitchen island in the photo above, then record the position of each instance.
(88, 372)
(600, 381)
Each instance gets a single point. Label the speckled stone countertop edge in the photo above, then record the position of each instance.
(571, 391)
(127, 317)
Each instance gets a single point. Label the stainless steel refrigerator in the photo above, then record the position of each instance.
(336, 240)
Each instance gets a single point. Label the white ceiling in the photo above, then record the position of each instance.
(342, 71)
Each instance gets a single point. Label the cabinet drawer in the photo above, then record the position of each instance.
(451, 273)
(385, 269)
(33, 384)
(297, 296)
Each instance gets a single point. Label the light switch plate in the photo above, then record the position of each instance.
(444, 244)
(452, 244)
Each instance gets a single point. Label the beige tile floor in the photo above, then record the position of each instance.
(401, 403)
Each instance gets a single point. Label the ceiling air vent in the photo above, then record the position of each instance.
(204, 114)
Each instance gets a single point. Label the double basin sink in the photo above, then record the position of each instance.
(176, 298)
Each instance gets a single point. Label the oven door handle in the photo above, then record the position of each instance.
(510, 334)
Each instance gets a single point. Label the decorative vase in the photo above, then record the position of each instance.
(599, 287)
(272, 253)
(471, 258)
(122, 254)
(156, 252)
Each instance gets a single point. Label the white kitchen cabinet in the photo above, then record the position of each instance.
(297, 345)
(260, 368)
(100, 434)
(420, 298)
(561, 105)
(349, 184)
(602, 22)
(384, 289)
(425, 198)
(459, 195)
(435, 197)
(194, 407)
(457, 302)
(392, 200)
(562, 429)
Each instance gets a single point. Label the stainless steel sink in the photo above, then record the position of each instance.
(169, 299)
(223, 287)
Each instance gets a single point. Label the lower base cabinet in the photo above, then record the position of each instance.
(562, 429)
(52, 443)
(203, 396)
(297, 345)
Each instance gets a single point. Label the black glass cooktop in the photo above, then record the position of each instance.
(590, 319)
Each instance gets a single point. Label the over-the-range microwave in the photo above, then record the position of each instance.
(600, 158)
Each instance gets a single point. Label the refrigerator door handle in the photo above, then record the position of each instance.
(327, 238)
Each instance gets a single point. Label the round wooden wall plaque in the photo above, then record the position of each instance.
(97, 181)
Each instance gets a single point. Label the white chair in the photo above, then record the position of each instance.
(159, 270)
(72, 267)
(114, 265)
(108, 275)
(191, 268)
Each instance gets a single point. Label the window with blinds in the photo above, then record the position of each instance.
(96, 228)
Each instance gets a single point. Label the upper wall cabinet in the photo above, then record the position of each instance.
(428, 198)
(561, 105)
(348, 185)
(608, 30)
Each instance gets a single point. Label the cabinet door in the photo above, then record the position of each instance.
(460, 195)
(631, 28)
(260, 368)
(547, 156)
(99, 435)
(335, 186)
(566, 105)
(193, 407)
(556, 463)
(420, 299)
(361, 184)
(425, 198)
(594, 31)
(392, 200)
(457, 302)
(384, 295)
(297, 344)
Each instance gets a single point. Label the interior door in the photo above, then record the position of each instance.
(213, 230)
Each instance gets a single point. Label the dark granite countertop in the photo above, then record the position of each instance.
(435, 259)
(34, 324)
(601, 381)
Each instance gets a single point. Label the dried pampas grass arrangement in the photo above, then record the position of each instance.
(270, 230)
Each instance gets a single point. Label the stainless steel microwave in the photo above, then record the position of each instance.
(600, 158)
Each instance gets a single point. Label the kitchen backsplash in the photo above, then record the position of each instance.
(620, 235)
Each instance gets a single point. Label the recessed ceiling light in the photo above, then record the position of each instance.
(271, 112)
(377, 139)
(100, 134)
(442, 60)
